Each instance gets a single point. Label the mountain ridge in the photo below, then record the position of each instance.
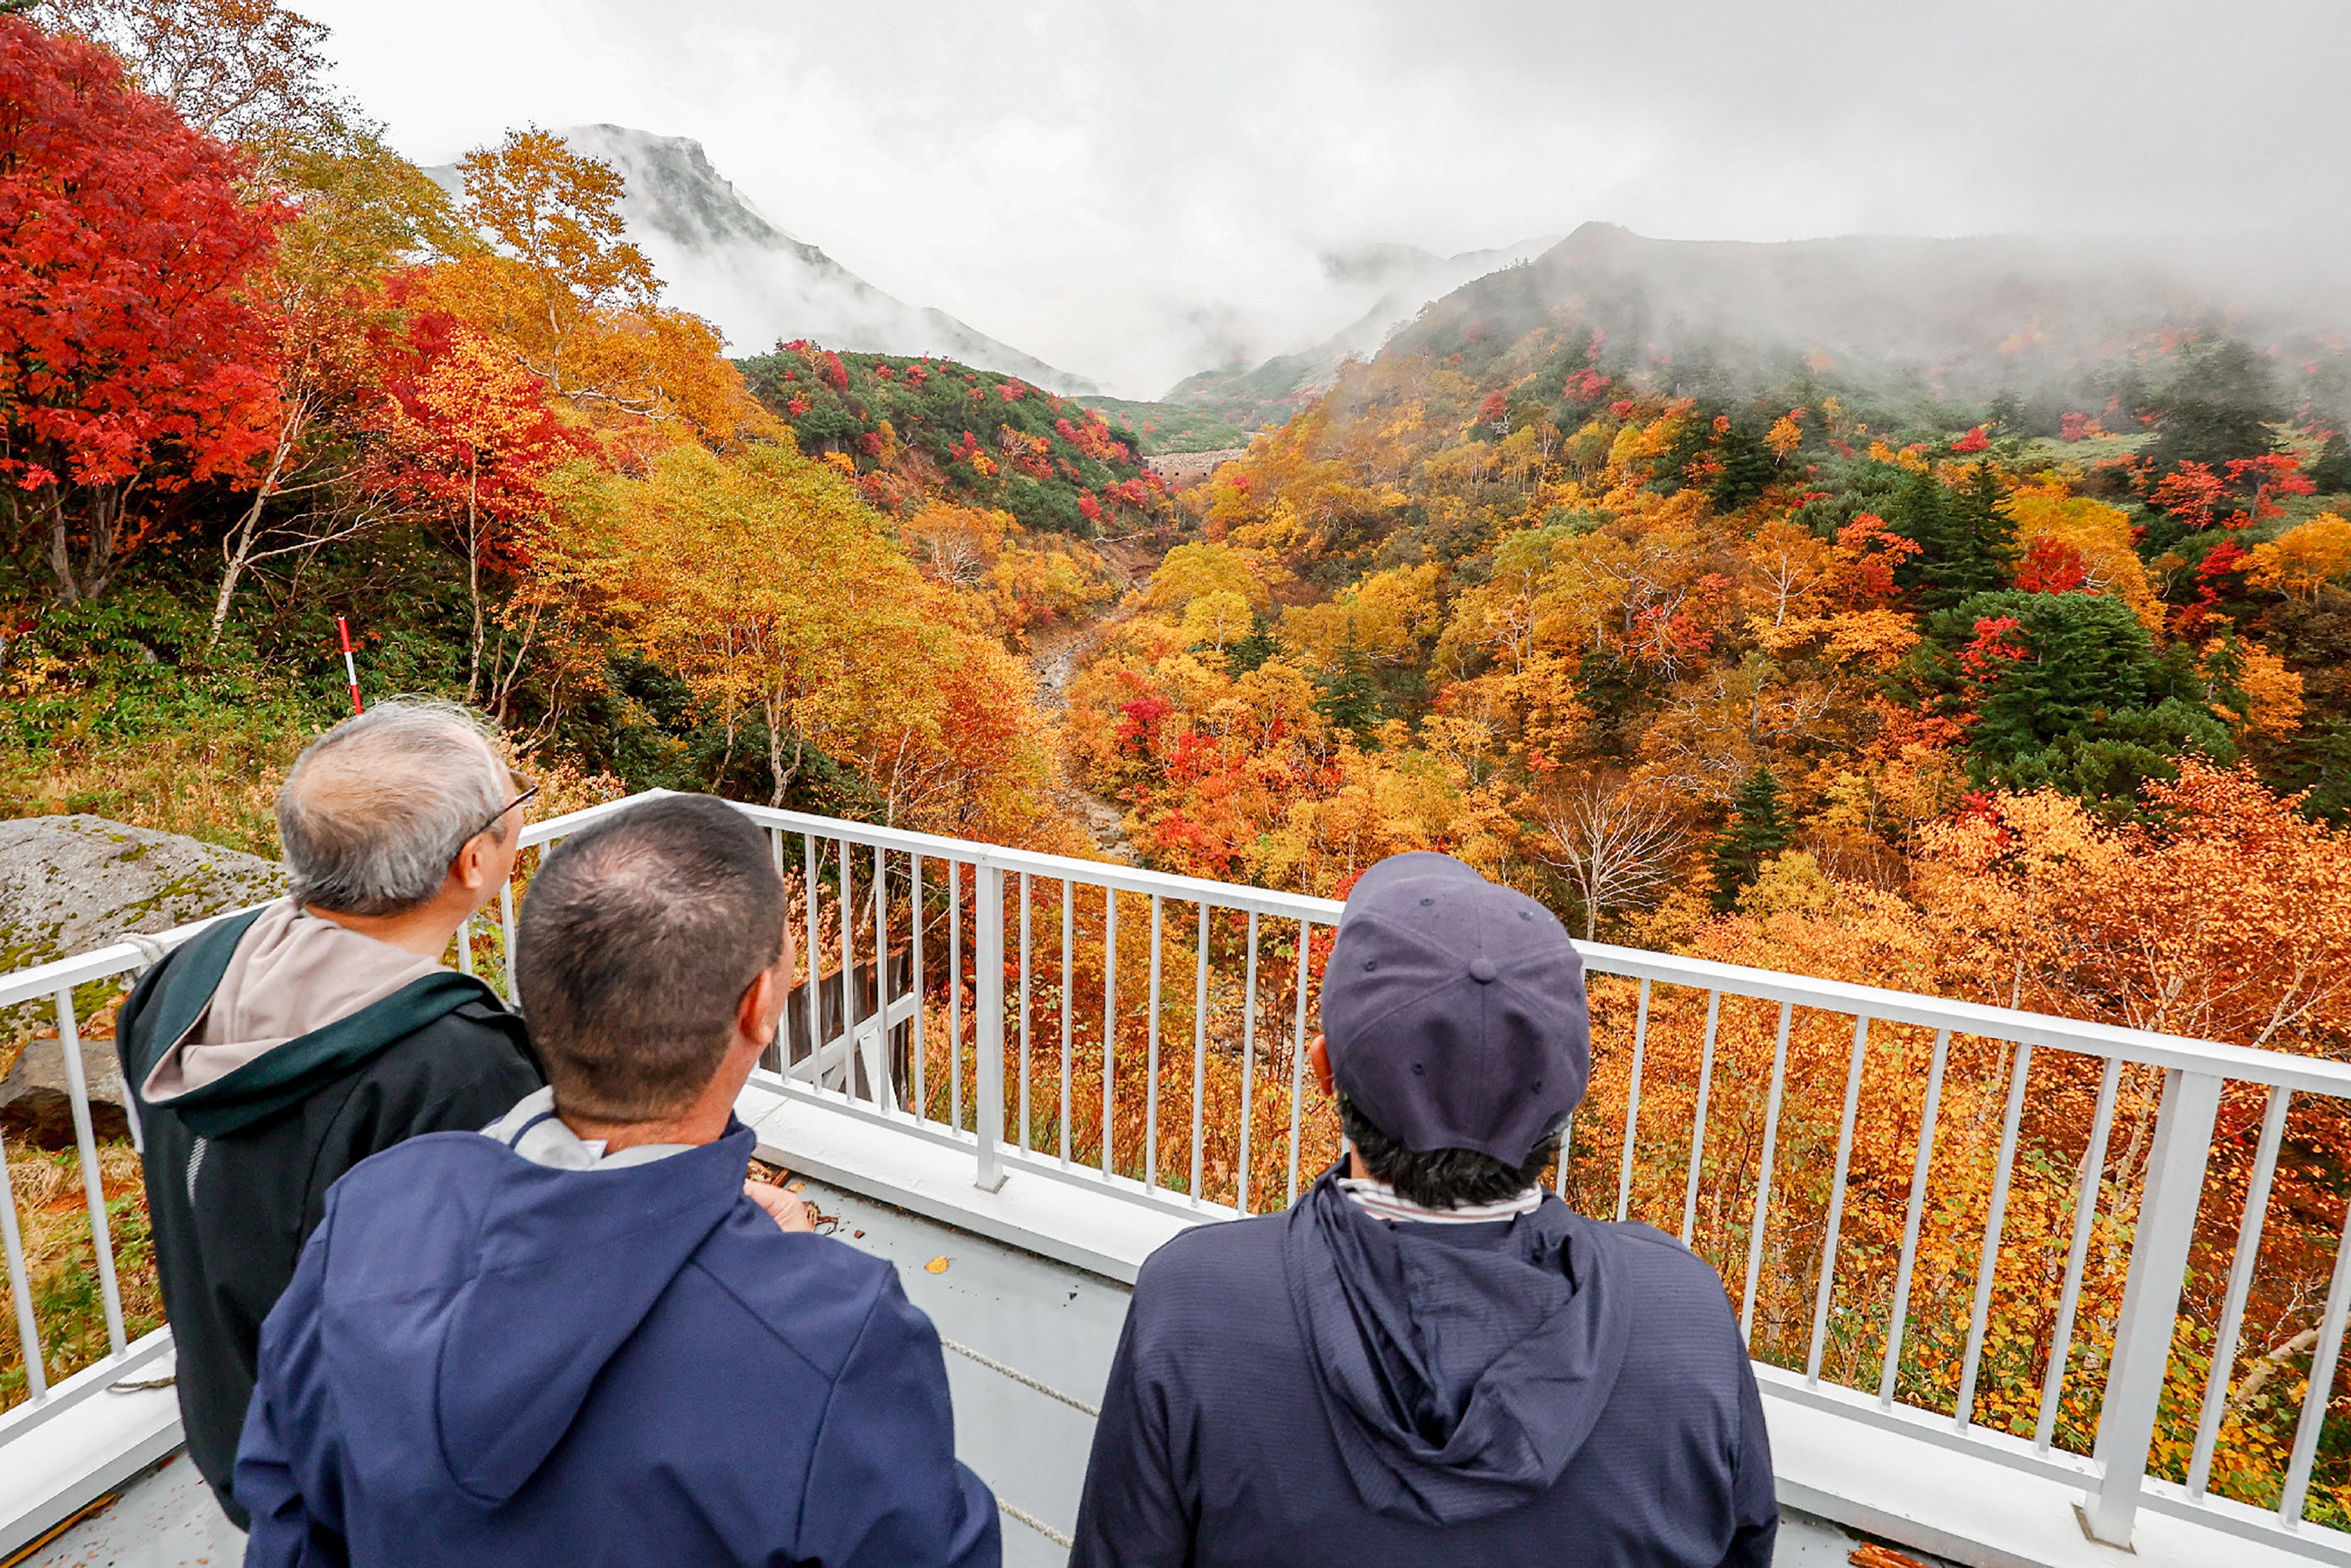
(1973, 312)
(1409, 280)
(725, 260)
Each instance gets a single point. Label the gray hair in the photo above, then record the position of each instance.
(376, 808)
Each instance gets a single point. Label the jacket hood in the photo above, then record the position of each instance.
(261, 1009)
(1462, 1368)
(290, 973)
(520, 1295)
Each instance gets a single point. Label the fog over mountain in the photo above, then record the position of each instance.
(1971, 314)
(1139, 192)
(725, 260)
(1401, 281)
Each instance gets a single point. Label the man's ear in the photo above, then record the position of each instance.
(762, 1005)
(467, 871)
(1318, 1056)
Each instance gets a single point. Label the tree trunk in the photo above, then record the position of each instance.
(238, 549)
(473, 567)
(782, 776)
(61, 553)
(505, 675)
(726, 758)
(98, 563)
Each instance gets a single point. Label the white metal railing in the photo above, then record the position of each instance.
(1064, 1056)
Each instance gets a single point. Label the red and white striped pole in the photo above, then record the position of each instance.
(350, 670)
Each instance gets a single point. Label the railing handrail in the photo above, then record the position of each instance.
(2246, 1063)
(2306, 1074)
(2195, 1074)
(1984, 1020)
(43, 980)
(1037, 862)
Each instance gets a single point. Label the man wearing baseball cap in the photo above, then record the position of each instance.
(1427, 1359)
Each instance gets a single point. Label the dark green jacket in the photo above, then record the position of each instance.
(237, 1171)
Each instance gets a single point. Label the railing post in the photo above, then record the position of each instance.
(987, 961)
(2158, 1263)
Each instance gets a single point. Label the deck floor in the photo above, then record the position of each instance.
(1057, 1326)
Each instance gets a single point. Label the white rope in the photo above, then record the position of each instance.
(1071, 1400)
(1035, 1523)
(1049, 1392)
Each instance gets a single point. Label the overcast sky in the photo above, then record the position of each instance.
(1081, 177)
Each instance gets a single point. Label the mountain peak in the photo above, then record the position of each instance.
(672, 185)
(727, 262)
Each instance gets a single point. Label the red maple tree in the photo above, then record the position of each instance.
(2052, 566)
(475, 440)
(129, 365)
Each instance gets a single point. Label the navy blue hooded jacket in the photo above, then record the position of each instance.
(1320, 1388)
(482, 1360)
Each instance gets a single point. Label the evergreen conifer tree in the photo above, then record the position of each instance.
(1248, 652)
(1918, 511)
(2220, 405)
(1747, 468)
(1350, 699)
(1758, 830)
(1976, 550)
(2331, 471)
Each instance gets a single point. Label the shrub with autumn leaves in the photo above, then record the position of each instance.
(133, 366)
(910, 430)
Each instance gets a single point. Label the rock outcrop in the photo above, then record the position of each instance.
(70, 885)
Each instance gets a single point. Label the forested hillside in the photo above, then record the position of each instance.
(906, 429)
(1664, 616)
(1670, 644)
(2031, 695)
(257, 372)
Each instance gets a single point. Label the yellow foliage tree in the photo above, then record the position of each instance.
(776, 594)
(577, 306)
(1188, 572)
(1385, 617)
(2304, 559)
(2098, 534)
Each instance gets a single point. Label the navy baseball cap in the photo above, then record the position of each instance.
(1452, 1010)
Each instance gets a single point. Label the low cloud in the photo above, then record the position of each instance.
(1132, 193)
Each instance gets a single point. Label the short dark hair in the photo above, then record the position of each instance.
(1441, 1178)
(638, 937)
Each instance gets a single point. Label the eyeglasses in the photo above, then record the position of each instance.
(502, 810)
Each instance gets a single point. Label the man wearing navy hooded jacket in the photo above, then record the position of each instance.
(1427, 1359)
(581, 1336)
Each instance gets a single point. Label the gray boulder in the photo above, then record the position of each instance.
(70, 885)
(37, 1101)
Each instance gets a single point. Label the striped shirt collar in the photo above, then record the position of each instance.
(1381, 1201)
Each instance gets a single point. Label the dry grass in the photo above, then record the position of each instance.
(217, 783)
(62, 1265)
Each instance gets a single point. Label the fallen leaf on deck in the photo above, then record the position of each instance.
(798, 1187)
(935, 1266)
(1869, 1554)
(858, 1234)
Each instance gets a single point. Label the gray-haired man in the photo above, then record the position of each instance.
(283, 1046)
